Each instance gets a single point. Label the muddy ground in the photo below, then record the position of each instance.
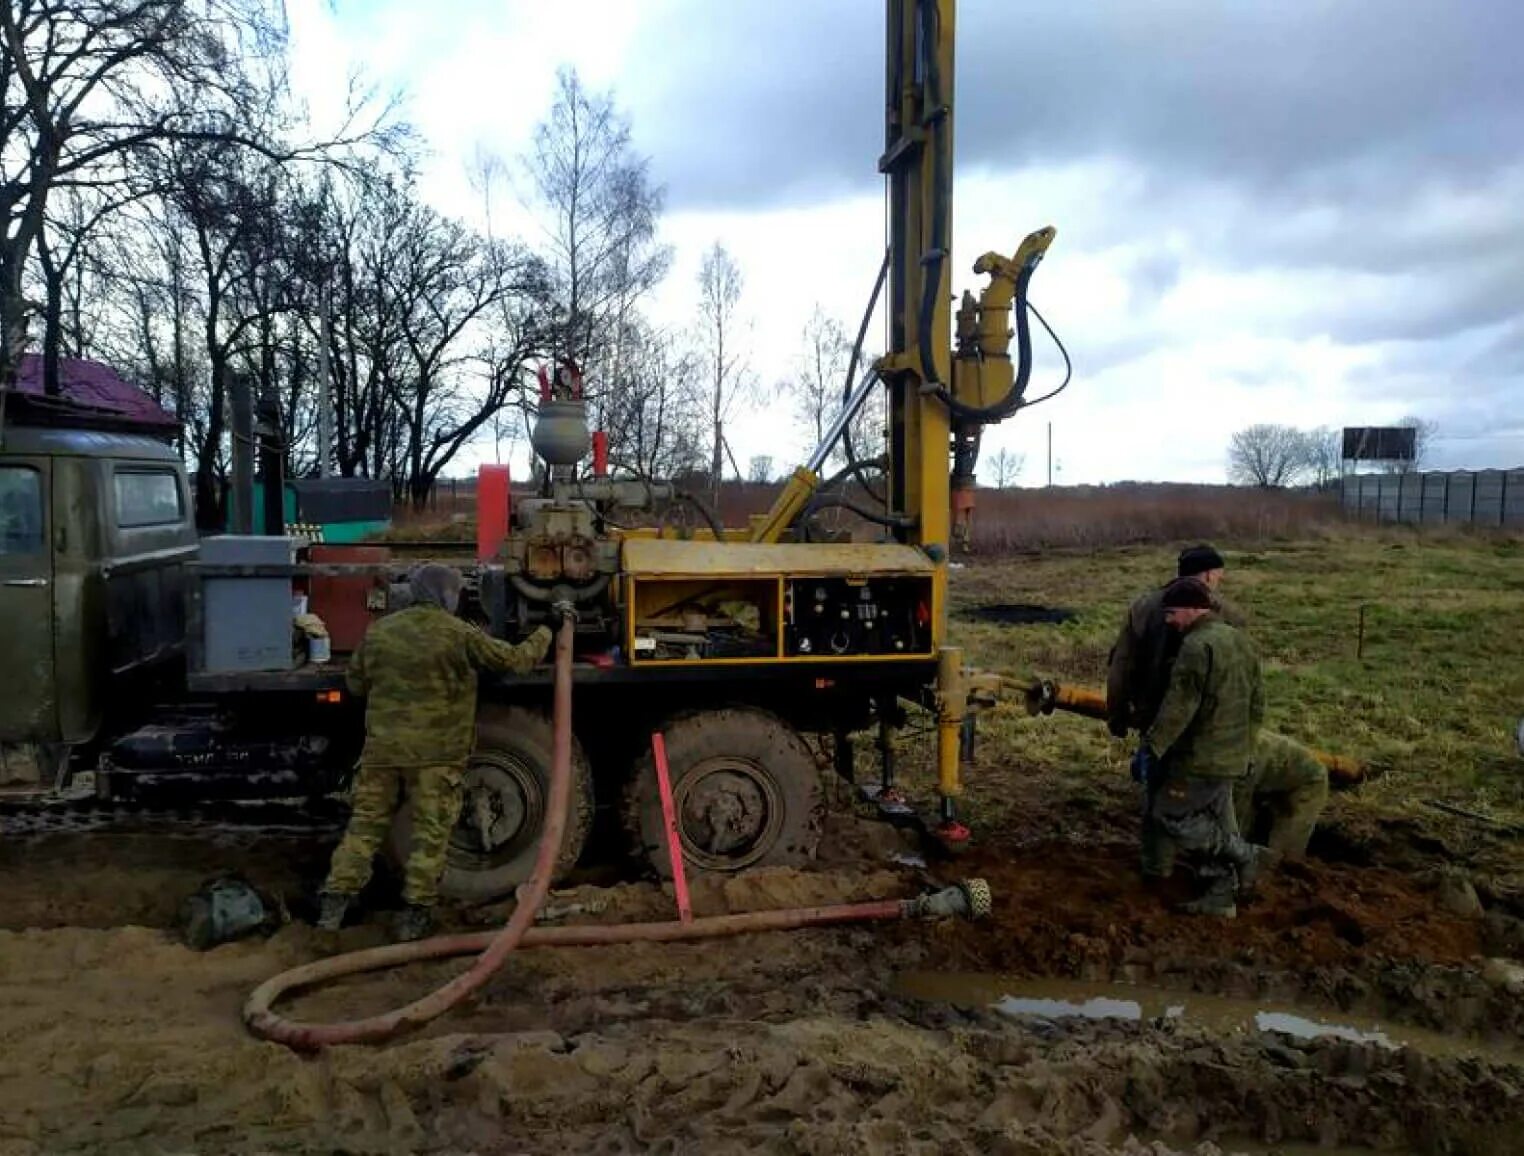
(114, 1037)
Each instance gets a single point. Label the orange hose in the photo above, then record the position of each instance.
(258, 1013)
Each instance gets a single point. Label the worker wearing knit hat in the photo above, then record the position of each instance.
(1201, 562)
(1145, 646)
(1187, 594)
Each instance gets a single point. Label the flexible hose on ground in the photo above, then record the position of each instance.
(258, 1013)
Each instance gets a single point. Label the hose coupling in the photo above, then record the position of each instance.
(970, 899)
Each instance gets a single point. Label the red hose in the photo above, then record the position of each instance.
(265, 1023)
(495, 947)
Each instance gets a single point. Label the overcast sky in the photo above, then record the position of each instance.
(1298, 211)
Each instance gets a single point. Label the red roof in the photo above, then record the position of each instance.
(97, 388)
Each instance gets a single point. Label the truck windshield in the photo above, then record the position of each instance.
(20, 510)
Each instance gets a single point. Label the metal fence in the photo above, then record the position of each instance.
(1479, 497)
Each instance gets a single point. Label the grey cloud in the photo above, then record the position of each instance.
(1380, 139)
(783, 100)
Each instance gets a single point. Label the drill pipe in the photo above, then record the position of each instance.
(1043, 696)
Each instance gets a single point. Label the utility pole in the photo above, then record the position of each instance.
(325, 384)
(1050, 455)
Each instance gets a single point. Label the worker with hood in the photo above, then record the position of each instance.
(417, 670)
(1195, 750)
(1145, 646)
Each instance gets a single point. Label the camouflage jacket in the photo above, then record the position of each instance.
(417, 670)
(1279, 765)
(1214, 704)
(1138, 674)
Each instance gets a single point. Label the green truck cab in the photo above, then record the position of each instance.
(95, 534)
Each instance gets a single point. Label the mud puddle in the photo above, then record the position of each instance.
(1059, 999)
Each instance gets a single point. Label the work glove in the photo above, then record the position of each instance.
(1144, 765)
(1117, 725)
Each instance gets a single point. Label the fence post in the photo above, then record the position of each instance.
(1503, 500)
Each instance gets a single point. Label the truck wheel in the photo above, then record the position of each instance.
(507, 786)
(745, 788)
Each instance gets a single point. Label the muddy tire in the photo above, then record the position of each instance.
(507, 788)
(745, 787)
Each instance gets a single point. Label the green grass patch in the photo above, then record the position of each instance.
(1429, 694)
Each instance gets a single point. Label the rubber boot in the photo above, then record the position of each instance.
(332, 907)
(1218, 900)
(414, 923)
(1256, 865)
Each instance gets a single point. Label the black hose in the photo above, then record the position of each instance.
(857, 351)
(704, 509)
(827, 502)
(1011, 402)
(936, 253)
(1068, 365)
(858, 469)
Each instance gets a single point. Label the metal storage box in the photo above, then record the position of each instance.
(246, 620)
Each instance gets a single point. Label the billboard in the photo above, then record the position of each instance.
(1380, 443)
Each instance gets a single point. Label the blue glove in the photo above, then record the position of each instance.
(1144, 765)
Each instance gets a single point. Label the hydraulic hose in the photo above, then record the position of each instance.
(857, 352)
(258, 1013)
(705, 511)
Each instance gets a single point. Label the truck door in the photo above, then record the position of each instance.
(28, 705)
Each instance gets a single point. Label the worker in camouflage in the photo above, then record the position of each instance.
(1198, 745)
(1286, 789)
(417, 670)
(1138, 670)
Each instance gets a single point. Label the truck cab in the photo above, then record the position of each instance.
(96, 528)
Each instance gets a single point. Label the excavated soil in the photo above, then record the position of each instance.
(115, 1037)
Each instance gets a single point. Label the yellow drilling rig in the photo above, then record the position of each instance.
(732, 642)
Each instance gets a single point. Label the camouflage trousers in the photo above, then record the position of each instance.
(1287, 799)
(434, 793)
(1190, 817)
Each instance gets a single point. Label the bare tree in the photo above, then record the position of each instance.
(822, 369)
(1424, 433)
(1005, 467)
(602, 210)
(726, 378)
(760, 468)
(1323, 451)
(87, 84)
(1267, 455)
(656, 427)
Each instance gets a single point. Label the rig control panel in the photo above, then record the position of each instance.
(846, 616)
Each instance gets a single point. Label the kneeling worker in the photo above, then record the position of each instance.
(1198, 745)
(417, 670)
(1288, 786)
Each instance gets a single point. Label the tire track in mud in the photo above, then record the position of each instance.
(121, 1039)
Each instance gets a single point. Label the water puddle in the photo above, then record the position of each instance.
(1055, 999)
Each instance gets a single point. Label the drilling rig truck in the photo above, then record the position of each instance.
(734, 642)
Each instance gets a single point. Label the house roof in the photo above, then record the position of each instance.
(90, 391)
